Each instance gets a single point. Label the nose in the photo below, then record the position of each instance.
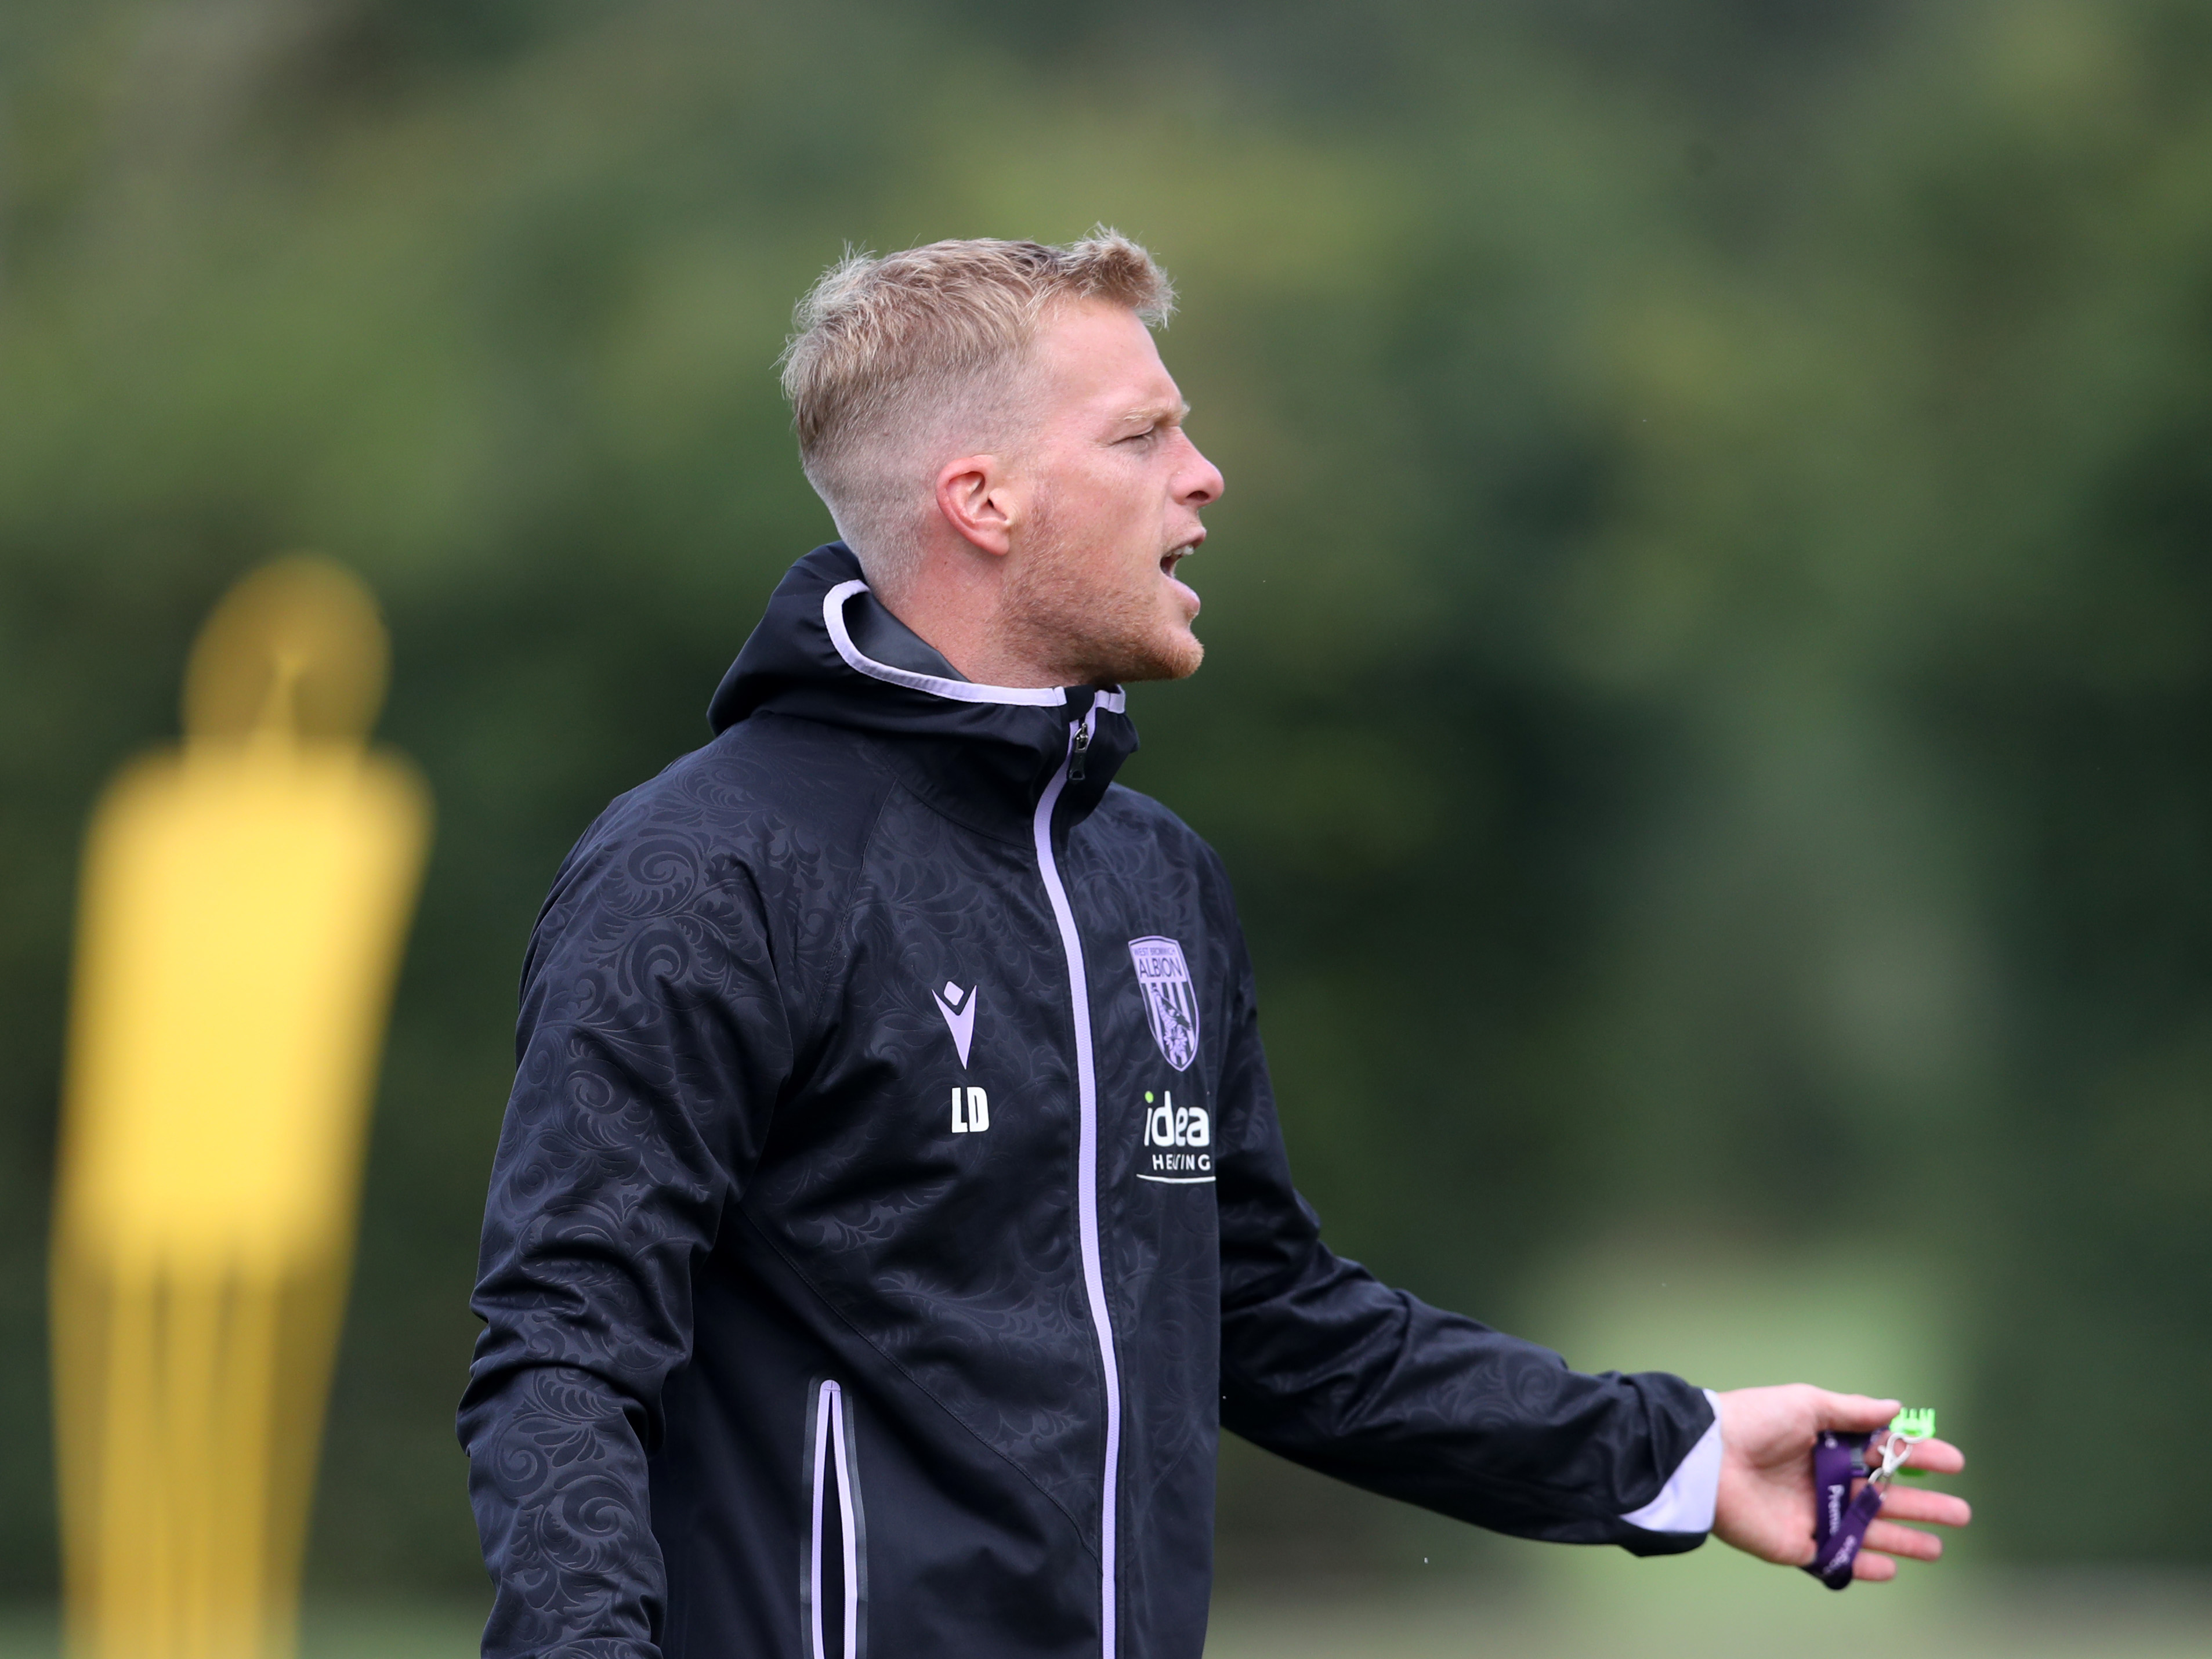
(1198, 482)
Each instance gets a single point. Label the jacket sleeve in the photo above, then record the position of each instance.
(1324, 1366)
(651, 1045)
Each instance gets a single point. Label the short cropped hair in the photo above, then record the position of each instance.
(897, 363)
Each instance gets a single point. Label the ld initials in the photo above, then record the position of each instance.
(978, 1113)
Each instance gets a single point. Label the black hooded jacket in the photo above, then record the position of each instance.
(890, 1209)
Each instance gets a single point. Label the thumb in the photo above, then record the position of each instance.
(1854, 1414)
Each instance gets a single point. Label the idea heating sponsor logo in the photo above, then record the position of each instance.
(1178, 1142)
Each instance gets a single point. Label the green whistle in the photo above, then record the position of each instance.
(1914, 1422)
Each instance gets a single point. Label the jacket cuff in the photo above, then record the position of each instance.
(1685, 1503)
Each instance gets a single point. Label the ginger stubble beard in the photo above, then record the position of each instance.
(1094, 631)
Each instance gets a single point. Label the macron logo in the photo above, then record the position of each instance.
(959, 1007)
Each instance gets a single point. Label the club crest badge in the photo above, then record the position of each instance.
(1171, 999)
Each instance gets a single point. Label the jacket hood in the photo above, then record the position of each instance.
(826, 649)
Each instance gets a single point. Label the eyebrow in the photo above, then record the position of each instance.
(1152, 414)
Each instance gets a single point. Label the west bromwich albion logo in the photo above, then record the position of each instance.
(1171, 999)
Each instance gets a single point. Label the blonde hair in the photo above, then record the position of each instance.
(894, 360)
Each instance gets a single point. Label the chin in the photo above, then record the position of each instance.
(1172, 656)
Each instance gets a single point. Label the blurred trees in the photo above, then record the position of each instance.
(1712, 675)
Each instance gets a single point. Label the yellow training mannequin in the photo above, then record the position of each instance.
(244, 903)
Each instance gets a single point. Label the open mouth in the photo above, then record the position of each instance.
(1178, 553)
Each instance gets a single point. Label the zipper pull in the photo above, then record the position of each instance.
(1075, 756)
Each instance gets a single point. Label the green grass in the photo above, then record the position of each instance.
(1973, 1618)
(1709, 1605)
(1719, 1316)
(370, 1631)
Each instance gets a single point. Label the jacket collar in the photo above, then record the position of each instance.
(827, 650)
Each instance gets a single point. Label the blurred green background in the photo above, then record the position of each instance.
(1709, 707)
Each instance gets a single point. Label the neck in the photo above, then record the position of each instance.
(958, 602)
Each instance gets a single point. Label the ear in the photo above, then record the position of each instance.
(974, 496)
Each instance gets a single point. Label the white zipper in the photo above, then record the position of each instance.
(832, 1459)
(1086, 1168)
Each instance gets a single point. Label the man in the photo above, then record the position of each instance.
(891, 1207)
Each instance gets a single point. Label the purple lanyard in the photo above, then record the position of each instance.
(1839, 1527)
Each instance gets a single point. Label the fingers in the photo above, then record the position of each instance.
(1885, 1541)
(1854, 1414)
(1858, 1413)
(1939, 1509)
(1938, 1457)
(1875, 1569)
(1889, 1538)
